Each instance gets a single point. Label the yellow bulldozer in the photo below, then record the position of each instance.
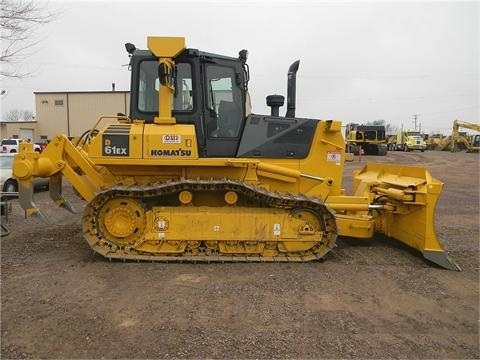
(192, 175)
(367, 138)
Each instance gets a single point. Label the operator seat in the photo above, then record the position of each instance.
(229, 119)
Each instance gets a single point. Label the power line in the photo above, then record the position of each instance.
(353, 77)
(415, 116)
(450, 111)
(78, 66)
(393, 98)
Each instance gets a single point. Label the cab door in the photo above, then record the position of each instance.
(224, 106)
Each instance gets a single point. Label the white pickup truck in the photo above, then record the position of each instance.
(11, 146)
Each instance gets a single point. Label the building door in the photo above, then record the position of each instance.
(26, 134)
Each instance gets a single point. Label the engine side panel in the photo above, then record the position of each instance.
(276, 137)
(136, 141)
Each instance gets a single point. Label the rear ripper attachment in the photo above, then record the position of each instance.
(208, 220)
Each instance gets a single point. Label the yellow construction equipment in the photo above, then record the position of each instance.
(471, 143)
(369, 138)
(435, 141)
(408, 140)
(192, 175)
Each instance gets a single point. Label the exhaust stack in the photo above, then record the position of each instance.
(291, 89)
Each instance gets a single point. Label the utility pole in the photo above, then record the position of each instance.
(415, 116)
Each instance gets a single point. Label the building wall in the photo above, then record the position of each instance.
(85, 109)
(72, 113)
(51, 111)
(13, 129)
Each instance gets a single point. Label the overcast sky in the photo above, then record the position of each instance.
(359, 61)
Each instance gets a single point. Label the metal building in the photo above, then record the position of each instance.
(69, 113)
(72, 113)
(19, 129)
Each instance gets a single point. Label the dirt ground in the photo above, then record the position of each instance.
(365, 300)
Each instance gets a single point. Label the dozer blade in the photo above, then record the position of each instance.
(405, 199)
(442, 259)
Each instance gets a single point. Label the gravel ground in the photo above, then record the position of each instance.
(365, 300)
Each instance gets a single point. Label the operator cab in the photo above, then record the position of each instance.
(209, 93)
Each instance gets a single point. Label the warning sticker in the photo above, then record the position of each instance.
(334, 156)
(171, 139)
(276, 229)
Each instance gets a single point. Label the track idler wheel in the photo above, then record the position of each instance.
(123, 221)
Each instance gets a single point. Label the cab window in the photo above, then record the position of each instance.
(148, 86)
(224, 99)
(183, 97)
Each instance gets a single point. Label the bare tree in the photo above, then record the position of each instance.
(28, 115)
(390, 129)
(379, 122)
(19, 21)
(18, 115)
(13, 115)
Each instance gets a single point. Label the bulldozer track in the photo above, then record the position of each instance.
(251, 195)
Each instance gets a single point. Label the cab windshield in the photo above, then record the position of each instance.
(149, 86)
